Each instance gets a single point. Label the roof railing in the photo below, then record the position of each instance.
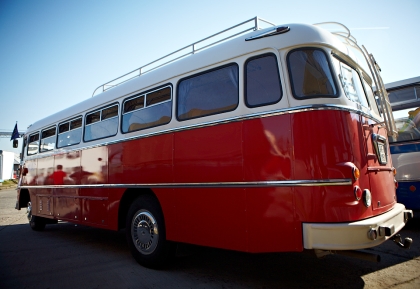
(374, 68)
(183, 52)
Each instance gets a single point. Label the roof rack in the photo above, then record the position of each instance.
(374, 68)
(182, 52)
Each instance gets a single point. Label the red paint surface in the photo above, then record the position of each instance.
(312, 145)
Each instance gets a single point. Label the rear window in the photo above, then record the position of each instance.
(310, 74)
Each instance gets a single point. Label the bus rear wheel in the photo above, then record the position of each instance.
(145, 233)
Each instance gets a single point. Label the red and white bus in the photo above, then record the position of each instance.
(267, 141)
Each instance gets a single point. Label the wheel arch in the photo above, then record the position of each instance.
(129, 196)
(24, 198)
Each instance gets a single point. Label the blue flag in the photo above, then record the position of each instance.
(15, 133)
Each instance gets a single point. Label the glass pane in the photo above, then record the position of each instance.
(158, 96)
(63, 127)
(408, 127)
(401, 95)
(47, 144)
(371, 96)
(76, 123)
(352, 85)
(69, 138)
(134, 104)
(110, 112)
(209, 93)
(48, 132)
(34, 137)
(262, 81)
(93, 117)
(146, 118)
(33, 148)
(101, 129)
(310, 74)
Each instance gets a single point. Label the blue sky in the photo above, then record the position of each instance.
(54, 53)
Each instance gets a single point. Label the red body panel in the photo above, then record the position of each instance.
(307, 145)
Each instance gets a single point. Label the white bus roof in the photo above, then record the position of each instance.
(299, 34)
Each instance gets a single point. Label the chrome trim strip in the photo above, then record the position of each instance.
(217, 122)
(301, 183)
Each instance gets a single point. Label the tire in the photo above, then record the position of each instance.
(36, 223)
(146, 235)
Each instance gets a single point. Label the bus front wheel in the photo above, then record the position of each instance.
(145, 233)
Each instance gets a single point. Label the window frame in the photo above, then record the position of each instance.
(145, 106)
(100, 110)
(69, 122)
(202, 73)
(246, 79)
(41, 138)
(330, 66)
(29, 142)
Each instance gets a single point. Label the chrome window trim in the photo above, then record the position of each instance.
(297, 183)
(276, 112)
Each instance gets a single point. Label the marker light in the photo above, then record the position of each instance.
(367, 198)
(356, 173)
(394, 170)
(396, 184)
(357, 193)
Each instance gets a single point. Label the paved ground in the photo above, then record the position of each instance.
(68, 256)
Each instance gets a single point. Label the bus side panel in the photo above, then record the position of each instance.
(143, 161)
(210, 216)
(67, 204)
(94, 163)
(326, 143)
(268, 156)
(44, 197)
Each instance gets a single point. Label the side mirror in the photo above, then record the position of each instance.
(15, 143)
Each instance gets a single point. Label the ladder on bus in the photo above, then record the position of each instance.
(374, 68)
(180, 53)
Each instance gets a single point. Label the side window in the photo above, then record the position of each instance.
(262, 81)
(101, 123)
(69, 133)
(352, 85)
(310, 74)
(47, 140)
(33, 144)
(208, 93)
(147, 110)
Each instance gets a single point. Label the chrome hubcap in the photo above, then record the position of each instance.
(29, 211)
(144, 232)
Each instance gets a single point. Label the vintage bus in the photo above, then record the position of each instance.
(404, 96)
(266, 140)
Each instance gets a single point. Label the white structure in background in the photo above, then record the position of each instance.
(7, 160)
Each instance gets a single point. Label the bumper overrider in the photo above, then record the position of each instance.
(356, 235)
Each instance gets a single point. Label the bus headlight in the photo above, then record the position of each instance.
(367, 198)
